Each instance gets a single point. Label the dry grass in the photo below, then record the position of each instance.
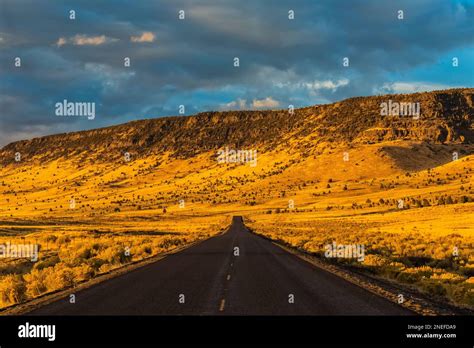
(70, 254)
(428, 242)
(136, 205)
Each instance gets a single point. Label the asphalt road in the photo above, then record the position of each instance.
(209, 278)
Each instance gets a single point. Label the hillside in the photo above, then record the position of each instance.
(446, 118)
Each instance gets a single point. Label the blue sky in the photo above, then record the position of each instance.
(190, 61)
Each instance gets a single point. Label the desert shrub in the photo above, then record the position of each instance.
(60, 277)
(12, 289)
(409, 278)
(51, 238)
(63, 240)
(95, 263)
(49, 262)
(461, 293)
(83, 272)
(143, 251)
(467, 272)
(433, 288)
(172, 242)
(447, 277)
(312, 247)
(114, 255)
(16, 267)
(76, 253)
(36, 282)
(373, 260)
(105, 268)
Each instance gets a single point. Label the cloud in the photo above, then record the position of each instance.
(315, 87)
(239, 104)
(108, 78)
(410, 87)
(146, 36)
(327, 84)
(61, 42)
(268, 102)
(84, 40)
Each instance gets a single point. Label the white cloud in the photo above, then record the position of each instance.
(4, 37)
(83, 40)
(326, 84)
(315, 86)
(268, 102)
(146, 36)
(410, 87)
(112, 79)
(239, 104)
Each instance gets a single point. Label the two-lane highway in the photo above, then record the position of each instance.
(236, 273)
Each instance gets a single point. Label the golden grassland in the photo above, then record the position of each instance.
(71, 252)
(153, 205)
(397, 246)
(427, 242)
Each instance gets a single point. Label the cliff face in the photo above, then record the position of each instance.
(445, 117)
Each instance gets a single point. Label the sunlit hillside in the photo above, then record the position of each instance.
(341, 173)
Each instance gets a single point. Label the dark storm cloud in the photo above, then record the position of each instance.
(190, 61)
